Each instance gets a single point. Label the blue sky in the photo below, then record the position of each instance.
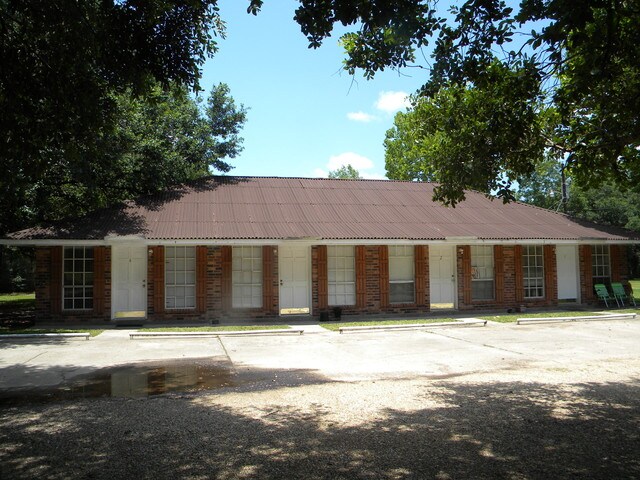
(306, 116)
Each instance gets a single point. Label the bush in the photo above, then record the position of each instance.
(16, 269)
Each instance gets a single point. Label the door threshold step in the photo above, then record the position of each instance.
(134, 318)
(129, 322)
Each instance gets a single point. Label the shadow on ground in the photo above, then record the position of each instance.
(293, 429)
(17, 343)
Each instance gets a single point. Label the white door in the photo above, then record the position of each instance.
(567, 264)
(129, 281)
(294, 266)
(442, 280)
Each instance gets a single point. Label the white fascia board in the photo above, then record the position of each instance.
(215, 242)
(594, 241)
(121, 239)
(477, 241)
(461, 240)
(319, 241)
(134, 239)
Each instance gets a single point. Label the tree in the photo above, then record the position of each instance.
(465, 137)
(543, 188)
(346, 171)
(608, 205)
(582, 63)
(166, 138)
(64, 65)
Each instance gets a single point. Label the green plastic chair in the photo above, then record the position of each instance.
(634, 299)
(603, 294)
(620, 294)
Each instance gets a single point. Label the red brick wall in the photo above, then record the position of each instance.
(99, 254)
(586, 274)
(201, 279)
(320, 267)
(421, 285)
(421, 253)
(48, 287)
(508, 280)
(619, 269)
(270, 281)
(42, 283)
(463, 264)
(213, 287)
(427, 284)
(619, 263)
(156, 310)
(155, 281)
(372, 282)
(517, 268)
(550, 275)
(320, 282)
(383, 277)
(107, 283)
(214, 278)
(509, 259)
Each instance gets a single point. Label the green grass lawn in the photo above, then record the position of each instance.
(17, 301)
(635, 284)
(14, 331)
(225, 328)
(336, 326)
(513, 318)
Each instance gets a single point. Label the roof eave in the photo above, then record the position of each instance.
(113, 240)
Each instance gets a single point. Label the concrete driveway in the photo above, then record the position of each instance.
(435, 353)
(501, 401)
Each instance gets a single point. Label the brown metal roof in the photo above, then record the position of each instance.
(221, 208)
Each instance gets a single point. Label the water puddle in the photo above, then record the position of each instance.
(134, 381)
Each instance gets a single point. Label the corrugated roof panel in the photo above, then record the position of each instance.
(280, 208)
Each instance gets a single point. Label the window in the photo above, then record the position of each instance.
(482, 272)
(180, 277)
(77, 278)
(533, 271)
(601, 264)
(341, 270)
(247, 277)
(401, 274)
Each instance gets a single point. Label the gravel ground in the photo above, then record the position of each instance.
(541, 402)
(581, 422)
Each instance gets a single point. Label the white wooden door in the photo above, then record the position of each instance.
(442, 280)
(294, 266)
(567, 264)
(129, 281)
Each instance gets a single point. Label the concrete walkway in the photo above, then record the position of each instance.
(30, 363)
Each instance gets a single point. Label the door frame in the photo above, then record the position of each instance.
(576, 250)
(454, 272)
(129, 245)
(307, 249)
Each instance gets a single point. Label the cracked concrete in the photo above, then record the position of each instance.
(390, 354)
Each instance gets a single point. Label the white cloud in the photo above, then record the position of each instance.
(359, 162)
(392, 101)
(349, 158)
(361, 117)
(372, 176)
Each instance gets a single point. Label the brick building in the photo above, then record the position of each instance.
(265, 247)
